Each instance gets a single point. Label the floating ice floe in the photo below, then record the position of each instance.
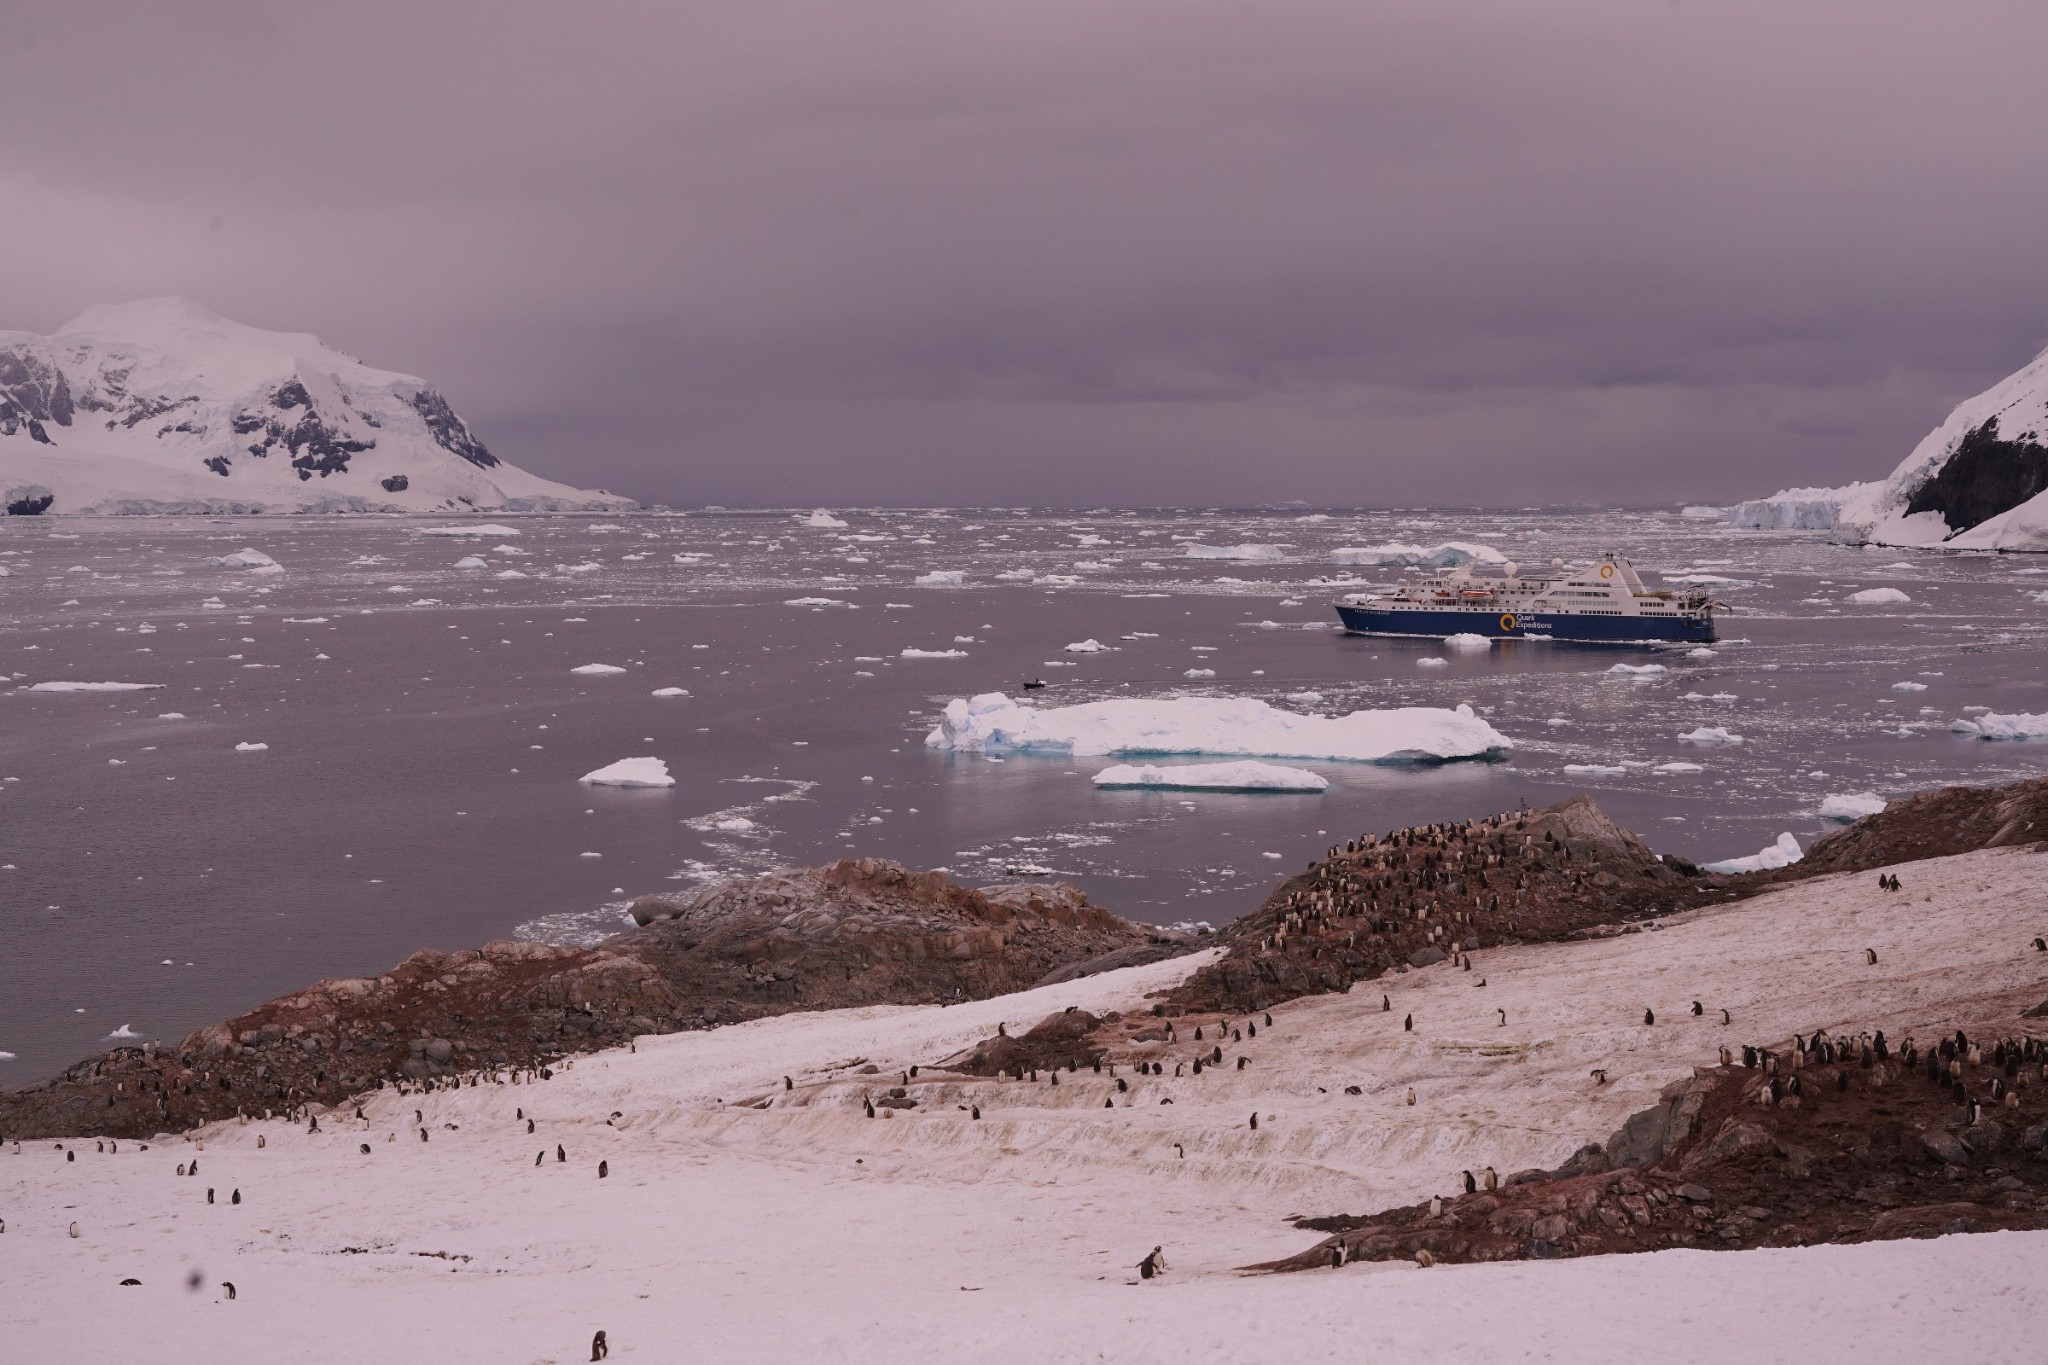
(255, 561)
(247, 748)
(592, 670)
(1847, 806)
(671, 692)
(1993, 726)
(1710, 734)
(1253, 554)
(1871, 597)
(67, 686)
(933, 654)
(1306, 698)
(1468, 641)
(1639, 670)
(472, 562)
(733, 824)
(489, 528)
(1702, 653)
(124, 1032)
(1678, 767)
(1909, 687)
(815, 602)
(1594, 770)
(1445, 556)
(1090, 646)
(941, 578)
(824, 521)
(1783, 853)
(1222, 777)
(508, 573)
(631, 772)
(1225, 726)
(1199, 673)
(1432, 661)
(171, 715)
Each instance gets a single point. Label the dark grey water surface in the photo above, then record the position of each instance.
(425, 734)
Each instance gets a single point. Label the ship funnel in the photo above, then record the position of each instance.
(1511, 569)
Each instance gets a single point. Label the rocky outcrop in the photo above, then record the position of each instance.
(1984, 477)
(1934, 824)
(1836, 1139)
(859, 932)
(1382, 903)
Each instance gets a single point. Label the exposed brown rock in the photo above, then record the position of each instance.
(1866, 1150)
(1380, 903)
(859, 932)
(1934, 824)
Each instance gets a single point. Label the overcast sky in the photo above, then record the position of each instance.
(1116, 252)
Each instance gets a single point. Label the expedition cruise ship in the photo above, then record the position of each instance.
(1604, 601)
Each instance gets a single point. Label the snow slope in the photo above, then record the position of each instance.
(804, 1231)
(162, 406)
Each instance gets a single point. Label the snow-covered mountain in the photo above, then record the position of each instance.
(163, 406)
(1979, 481)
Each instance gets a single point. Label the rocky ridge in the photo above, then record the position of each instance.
(1842, 1138)
(858, 932)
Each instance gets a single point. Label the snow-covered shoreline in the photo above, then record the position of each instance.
(931, 1235)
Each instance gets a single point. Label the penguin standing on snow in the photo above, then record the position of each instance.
(1153, 1264)
(599, 1347)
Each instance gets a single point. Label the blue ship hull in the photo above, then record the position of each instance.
(1529, 625)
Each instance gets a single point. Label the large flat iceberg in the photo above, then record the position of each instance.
(68, 686)
(631, 772)
(488, 528)
(1231, 726)
(1446, 556)
(1217, 777)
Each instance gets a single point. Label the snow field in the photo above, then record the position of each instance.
(717, 1220)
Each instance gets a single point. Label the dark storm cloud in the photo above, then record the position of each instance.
(1079, 253)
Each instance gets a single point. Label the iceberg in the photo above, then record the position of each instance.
(1594, 770)
(1467, 640)
(1991, 726)
(1449, 555)
(1088, 646)
(1710, 734)
(1871, 597)
(472, 562)
(1849, 806)
(1783, 853)
(631, 772)
(824, 521)
(255, 561)
(1639, 670)
(91, 687)
(933, 654)
(941, 578)
(489, 528)
(1252, 554)
(1796, 509)
(670, 692)
(1220, 777)
(1224, 726)
(593, 670)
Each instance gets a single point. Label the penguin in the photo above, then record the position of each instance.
(977, 1113)
(1870, 957)
(600, 1349)
(1181, 1153)
(1489, 1179)
(539, 1157)
(1385, 1004)
(1649, 1017)
(1336, 1255)
(560, 1154)
(228, 1285)
(74, 1229)
(260, 1144)
(209, 1194)
(1696, 1010)
(366, 1148)
(1255, 1121)
(788, 1084)
(1411, 1095)
(870, 1107)
(1269, 1021)
(1240, 1063)
(235, 1198)
(529, 1125)
(2041, 945)
(604, 1168)
(1727, 1057)
(1424, 1260)
(1408, 1023)
(1152, 1264)
(1724, 1017)
(423, 1135)
(1252, 1029)
(1503, 1018)
(1599, 1074)
(1122, 1085)
(1471, 1185)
